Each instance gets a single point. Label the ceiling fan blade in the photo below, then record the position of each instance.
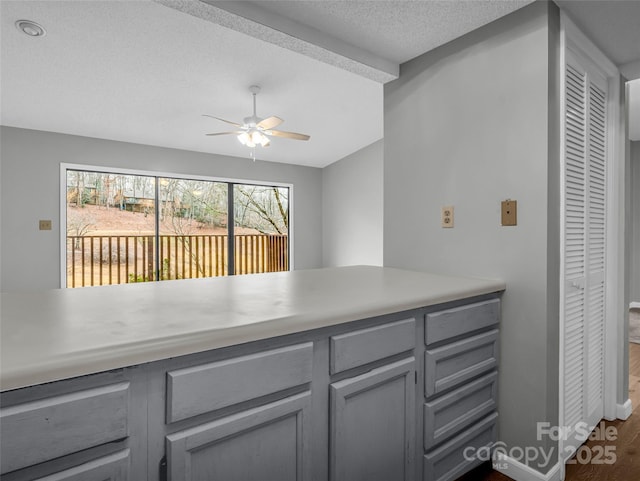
(287, 135)
(223, 120)
(225, 133)
(270, 122)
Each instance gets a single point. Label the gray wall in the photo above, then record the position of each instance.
(352, 208)
(30, 183)
(634, 290)
(469, 124)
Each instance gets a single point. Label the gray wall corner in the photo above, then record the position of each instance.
(553, 214)
(484, 108)
(352, 206)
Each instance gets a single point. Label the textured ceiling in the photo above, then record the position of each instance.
(141, 72)
(394, 30)
(138, 71)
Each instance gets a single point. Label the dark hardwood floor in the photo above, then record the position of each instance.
(627, 464)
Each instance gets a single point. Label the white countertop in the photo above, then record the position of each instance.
(63, 333)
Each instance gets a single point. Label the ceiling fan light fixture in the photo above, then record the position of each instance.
(253, 138)
(258, 137)
(255, 131)
(244, 139)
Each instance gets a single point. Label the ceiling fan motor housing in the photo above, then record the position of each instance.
(252, 121)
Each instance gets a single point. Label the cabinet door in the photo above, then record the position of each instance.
(267, 443)
(372, 425)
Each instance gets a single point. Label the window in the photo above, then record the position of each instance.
(261, 227)
(124, 227)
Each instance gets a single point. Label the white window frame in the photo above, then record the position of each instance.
(64, 167)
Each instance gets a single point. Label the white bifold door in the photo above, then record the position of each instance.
(583, 268)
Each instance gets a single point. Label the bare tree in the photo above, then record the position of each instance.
(190, 204)
(79, 223)
(265, 209)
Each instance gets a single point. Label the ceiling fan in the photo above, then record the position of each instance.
(255, 131)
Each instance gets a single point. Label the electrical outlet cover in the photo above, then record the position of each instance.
(447, 216)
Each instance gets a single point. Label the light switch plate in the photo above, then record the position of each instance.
(447, 216)
(45, 225)
(509, 212)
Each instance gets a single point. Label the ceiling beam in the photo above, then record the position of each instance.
(249, 18)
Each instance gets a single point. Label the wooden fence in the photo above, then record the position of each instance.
(103, 260)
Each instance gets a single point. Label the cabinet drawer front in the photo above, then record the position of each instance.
(458, 456)
(41, 430)
(270, 442)
(452, 364)
(200, 389)
(447, 415)
(447, 324)
(367, 345)
(109, 468)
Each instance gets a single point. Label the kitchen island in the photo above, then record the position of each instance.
(340, 373)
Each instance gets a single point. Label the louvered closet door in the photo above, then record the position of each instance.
(584, 251)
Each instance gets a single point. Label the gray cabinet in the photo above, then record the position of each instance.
(44, 429)
(87, 428)
(372, 425)
(451, 413)
(262, 440)
(267, 443)
(364, 346)
(456, 456)
(115, 467)
(460, 388)
(361, 401)
(211, 386)
(450, 365)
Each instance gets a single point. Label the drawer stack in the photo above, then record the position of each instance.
(461, 360)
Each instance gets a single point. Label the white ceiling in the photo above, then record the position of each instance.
(138, 71)
(613, 25)
(144, 71)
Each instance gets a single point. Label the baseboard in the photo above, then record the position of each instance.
(623, 411)
(634, 305)
(521, 472)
